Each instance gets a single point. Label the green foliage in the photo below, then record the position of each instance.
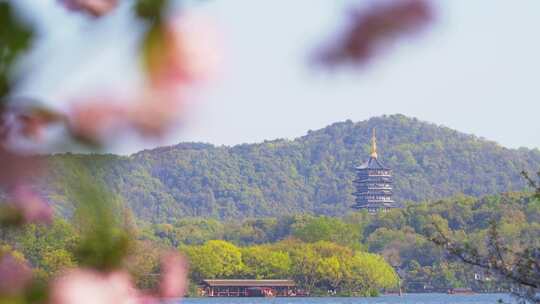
(57, 260)
(214, 259)
(178, 195)
(15, 38)
(316, 267)
(262, 262)
(144, 264)
(372, 272)
(318, 260)
(47, 248)
(294, 247)
(197, 231)
(309, 175)
(150, 9)
(103, 246)
(104, 241)
(7, 249)
(327, 229)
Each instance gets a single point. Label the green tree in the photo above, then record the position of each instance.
(372, 272)
(214, 259)
(330, 229)
(56, 260)
(263, 262)
(331, 271)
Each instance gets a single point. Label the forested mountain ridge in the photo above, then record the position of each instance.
(311, 174)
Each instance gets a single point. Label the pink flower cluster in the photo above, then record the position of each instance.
(183, 55)
(31, 206)
(181, 52)
(186, 51)
(87, 286)
(15, 178)
(371, 29)
(95, 8)
(14, 275)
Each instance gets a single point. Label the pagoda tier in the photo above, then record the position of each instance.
(374, 184)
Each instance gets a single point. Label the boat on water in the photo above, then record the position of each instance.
(460, 291)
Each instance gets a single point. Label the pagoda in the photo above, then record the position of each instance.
(374, 184)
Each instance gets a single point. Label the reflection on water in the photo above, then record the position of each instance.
(432, 298)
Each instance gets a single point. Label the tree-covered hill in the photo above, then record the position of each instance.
(311, 174)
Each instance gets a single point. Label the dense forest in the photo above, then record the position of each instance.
(353, 254)
(289, 202)
(309, 175)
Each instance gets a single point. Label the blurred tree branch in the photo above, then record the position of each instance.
(532, 183)
(520, 267)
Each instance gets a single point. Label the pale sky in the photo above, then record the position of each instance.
(477, 70)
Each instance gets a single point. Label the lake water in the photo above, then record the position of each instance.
(432, 298)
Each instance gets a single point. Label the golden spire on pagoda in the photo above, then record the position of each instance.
(373, 145)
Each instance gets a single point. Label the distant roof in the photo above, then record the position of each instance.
(378, 205)
(372, 163)
(250, 283)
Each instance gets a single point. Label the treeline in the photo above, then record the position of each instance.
(353, 254)
(400, 236)
(317, 267)
(311, 174)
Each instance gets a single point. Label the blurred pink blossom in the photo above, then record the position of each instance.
(34, 121)
(14, 275)
(95, 8)
(18, 169)
(150, 115)
(32, 207)
(179, 52)
(186, 50)
(17, 173)
(26, 122)
(94, 119)
(84, 286)
(370, 29)
(174, 281)
(158, 111)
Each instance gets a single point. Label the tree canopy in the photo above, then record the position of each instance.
(311, 174)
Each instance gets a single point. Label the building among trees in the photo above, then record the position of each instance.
(248, 288)
(374, 184)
